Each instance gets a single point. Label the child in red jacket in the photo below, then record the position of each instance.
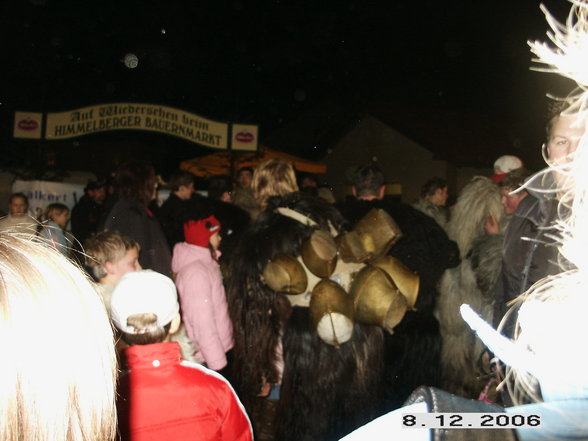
(161, 396)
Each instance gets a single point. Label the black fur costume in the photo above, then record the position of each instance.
(413, 352)
(326, 392)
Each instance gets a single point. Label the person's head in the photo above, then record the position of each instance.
(563, 136)
(144, 307)
(96, 190)
(275, 177)
(308, 180)
(435, 191)
(110, 255)
(18, 204)
(505, 164)
(369, 182)
(220, 188)
(510, 198)
(203, 232)
(552, 312)
(564, 131)
(244, 177)
(182, 184)
(136, 180)
(58, 213)
(50, 312)
(308, 184)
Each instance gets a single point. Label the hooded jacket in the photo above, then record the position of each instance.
(203, 303)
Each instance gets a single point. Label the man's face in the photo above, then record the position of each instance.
(130, 262)
(308, 183)
(564, 139)
(510, 202)
(245, 178)
(98, 195)
(185, 192)
(18, 207)
(439, 197)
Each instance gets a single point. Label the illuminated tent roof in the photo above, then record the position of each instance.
(220, 163)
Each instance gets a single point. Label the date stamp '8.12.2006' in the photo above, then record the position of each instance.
(470, 420)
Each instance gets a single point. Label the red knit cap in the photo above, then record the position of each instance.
(199, 232)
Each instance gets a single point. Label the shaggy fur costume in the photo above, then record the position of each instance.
(413, 351)
(473, 282)
(326, 392)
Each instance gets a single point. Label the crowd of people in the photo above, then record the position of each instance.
(268, 309)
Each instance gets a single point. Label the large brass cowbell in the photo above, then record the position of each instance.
(376, 299)
(319, 253)
(408, 282)
(372, 236)
(331, 311)
(285, 274)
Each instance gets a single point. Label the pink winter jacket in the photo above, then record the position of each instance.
(203, 303)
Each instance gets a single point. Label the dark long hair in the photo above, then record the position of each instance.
(135, 180)
(258, 313)
(344, 384)
(261, 318)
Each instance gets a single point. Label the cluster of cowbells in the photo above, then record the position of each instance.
(347, 278)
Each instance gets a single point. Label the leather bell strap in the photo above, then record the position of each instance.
(305, 220)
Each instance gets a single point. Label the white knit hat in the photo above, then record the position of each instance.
(144, 291)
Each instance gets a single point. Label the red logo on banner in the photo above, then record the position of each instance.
(245, 137)
(28, 124)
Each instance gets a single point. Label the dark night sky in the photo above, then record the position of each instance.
(266, 62)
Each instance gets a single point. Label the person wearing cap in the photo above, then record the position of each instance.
(109, 255)
(162, 397)
(530, 245)
(202, 294)
(504, 165)
(515, 267)
(86, 214)
(553, 311)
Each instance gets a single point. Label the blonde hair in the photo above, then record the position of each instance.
(58, 375)
(55, 209)
(107, 246)
(275, 177)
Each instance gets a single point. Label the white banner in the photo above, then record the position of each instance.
(43, 193)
